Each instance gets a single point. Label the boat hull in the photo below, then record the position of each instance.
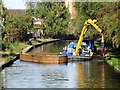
(43, 58)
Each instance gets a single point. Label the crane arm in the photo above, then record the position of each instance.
(97, 28)
(84, 30)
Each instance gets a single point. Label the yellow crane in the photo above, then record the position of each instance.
(84, 30)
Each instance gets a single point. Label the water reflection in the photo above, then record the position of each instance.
(88, 74)
(52, 47)
(33, 75)
(92, 77)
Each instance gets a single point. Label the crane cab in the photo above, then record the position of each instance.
(87, 47)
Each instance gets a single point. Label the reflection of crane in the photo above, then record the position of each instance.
(84, 30)
(81, 79)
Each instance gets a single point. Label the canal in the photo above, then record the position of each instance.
(82, 74)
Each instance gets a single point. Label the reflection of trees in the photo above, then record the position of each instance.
(91, 74)
(96, 76)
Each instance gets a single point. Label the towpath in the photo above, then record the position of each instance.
(1, 63)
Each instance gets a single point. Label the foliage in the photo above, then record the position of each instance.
(16, 46)
(114, 61)
(18, 21)
(3, 13)
(108, 19)
(57, 19)
(55, 16)
(86, 11)
(107, 15)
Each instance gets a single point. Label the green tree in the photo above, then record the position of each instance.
(55, 16)
(3, 13)
(57, 19)
(109, 21)
(86, 10)
(18, 24)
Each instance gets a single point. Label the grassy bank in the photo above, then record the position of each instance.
(113, 59)
(115, 62)
(14, 48)
(11, 51)
(7, 59)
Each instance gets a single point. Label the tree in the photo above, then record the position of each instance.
(55, 16)
(3, 12)
(86, 10)
(18, 24)
(109, 21)
(107, 16)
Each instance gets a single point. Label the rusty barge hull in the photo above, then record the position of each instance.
(43, 58)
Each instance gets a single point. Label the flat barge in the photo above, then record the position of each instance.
(43, 58)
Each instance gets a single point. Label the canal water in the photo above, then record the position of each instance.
(82, 74)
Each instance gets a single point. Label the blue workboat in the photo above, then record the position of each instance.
(86, 51)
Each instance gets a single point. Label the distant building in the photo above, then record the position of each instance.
(37, 22)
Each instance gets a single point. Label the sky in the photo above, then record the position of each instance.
(14, 4)
(20, 4)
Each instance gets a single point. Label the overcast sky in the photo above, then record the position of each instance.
(14, 4)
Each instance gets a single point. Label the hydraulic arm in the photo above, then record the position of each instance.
(84, 30)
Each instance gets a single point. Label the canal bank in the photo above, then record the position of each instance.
(115, 63)
(113, 59)
(25, 50)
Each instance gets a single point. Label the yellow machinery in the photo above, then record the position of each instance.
(84, 30)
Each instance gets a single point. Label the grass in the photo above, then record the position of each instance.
(7, 59)
(16, 47)
(113, 58)
(114, 61)
(117, 67)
